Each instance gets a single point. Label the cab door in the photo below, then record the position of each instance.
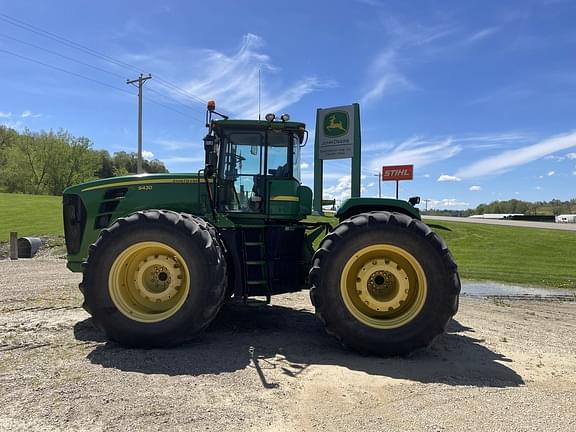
(283, 172)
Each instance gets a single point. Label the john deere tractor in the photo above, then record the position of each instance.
(160, 254)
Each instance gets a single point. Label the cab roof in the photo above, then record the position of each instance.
(258, 124)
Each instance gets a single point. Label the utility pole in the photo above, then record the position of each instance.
(426, 201)
(379, 175)
(140, 80)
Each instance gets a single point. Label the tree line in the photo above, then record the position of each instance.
(514, 206)
(45, 163)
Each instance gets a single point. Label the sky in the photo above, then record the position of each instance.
(479, 96)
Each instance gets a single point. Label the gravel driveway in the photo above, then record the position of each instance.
(504, 365)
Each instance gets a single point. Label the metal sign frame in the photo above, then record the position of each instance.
(319, 162)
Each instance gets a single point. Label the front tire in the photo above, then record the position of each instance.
(384, 283)
(155, 278)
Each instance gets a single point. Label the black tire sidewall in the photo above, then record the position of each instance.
(422, 328)
(199, 308)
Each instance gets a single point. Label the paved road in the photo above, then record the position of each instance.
(526, 224)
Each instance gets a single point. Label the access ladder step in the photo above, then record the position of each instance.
(255, 262)
(255, 282)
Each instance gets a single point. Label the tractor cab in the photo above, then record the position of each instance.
(255, 167)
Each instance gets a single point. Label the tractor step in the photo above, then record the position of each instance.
(255, 267)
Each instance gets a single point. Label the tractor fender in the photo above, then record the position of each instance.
(353, 206)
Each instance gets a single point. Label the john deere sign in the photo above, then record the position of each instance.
(337, 137)
(337, 132)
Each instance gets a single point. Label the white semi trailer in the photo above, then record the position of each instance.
(567, 218)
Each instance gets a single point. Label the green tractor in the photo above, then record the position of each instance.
(160, 254)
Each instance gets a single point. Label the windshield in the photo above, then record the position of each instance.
(247, 162)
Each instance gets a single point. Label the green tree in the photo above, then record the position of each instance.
(73, 161)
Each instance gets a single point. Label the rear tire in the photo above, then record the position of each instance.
(384, 283)
(155, 278)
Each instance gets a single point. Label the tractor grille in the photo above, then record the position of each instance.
(74, 222)
(112, 198)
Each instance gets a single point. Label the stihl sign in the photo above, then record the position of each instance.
(398, 172)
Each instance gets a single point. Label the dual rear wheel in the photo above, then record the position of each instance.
(155, 278)
(384, 283)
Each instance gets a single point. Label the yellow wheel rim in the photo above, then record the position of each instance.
(149, 282)
(383, 286)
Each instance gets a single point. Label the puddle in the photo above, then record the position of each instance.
(500, 290)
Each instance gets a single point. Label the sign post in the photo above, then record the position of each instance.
(397, 173)
(337, 137)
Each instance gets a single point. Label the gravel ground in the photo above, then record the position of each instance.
(503, 366)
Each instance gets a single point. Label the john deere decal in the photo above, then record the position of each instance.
(336, 123)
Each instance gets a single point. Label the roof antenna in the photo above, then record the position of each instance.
(259, 92)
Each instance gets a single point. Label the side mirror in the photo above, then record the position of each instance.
(414, 200)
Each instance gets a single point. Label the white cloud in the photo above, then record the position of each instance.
(447, 202)
(341, 190)
(448, 178)
(171, 144)
(418, 152)
(481, 35)
(232, 80)
(385, 78)
(182, 159)
(551, 173)
(384, 75)
(147, 154)
(513, 92)
(493, 140)
(426, 176)
(510, 159)
(571, 156)
(304, 165)
(574, 173)
(5, 114)
(538, 188)
(475, 188)
(28, 113)
(387, 83)
(554, 158)
(16, 125)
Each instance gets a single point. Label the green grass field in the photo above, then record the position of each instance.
(30, 215)
(539, 257)
(529, 256)
(542, 257)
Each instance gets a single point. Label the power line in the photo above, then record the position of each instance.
(89, 65)
(178, 102)
(60, 39)
(183, 92)
(154, 101)
(92, 80)
(65, 71)
(65, 41)
(61, 55)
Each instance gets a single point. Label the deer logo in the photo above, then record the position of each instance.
(336, 124)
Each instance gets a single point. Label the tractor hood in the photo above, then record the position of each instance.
(135, 180)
